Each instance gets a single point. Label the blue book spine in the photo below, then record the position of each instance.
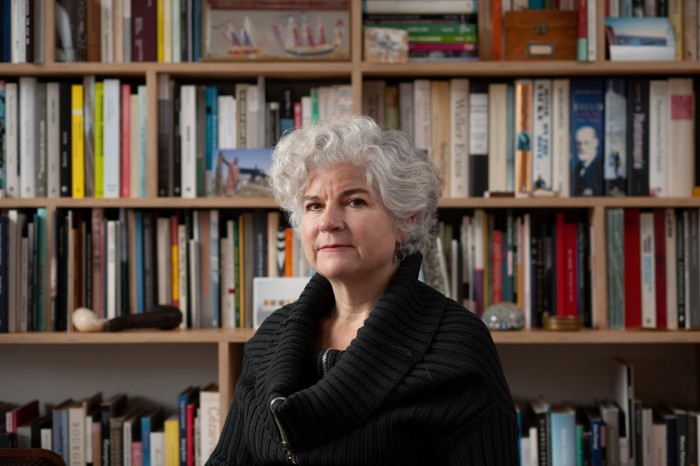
(6, 32)
(41, 288)
(563, 438)
(182, 401)
(587, 136)
(146, 440)
(596, 443)
(212, 135)
(197, 30)
(140, 302)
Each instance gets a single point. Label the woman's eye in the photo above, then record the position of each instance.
(313, 207)
(357, 202)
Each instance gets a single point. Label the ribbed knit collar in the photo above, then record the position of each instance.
(393, 338)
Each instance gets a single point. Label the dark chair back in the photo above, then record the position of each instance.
(29, 457)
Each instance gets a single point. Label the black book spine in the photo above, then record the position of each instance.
(638, 137)
(65, 175)
(177, 144)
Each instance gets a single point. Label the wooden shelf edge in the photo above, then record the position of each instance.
(596, 337)
(269, 203)
(130, 337)
(241, 336)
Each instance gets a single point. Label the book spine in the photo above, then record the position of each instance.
(125, 140)
(53, 140)
(12, 140)
(478, 139)
(648, 281)
(638, 150)
(189, 141)
(77, 142)
(89, 133)
(587, 123)
(561, 145)
(111, 138)
(459, 134)
(658, 139)
(523, 134)
(28, 136)
(99, 141)
(615, 148)
(542, 135)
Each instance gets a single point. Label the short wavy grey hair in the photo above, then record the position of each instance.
(404, 178)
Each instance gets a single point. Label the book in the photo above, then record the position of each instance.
(210, 420)
(523, 135)
(478, 138)
(542, 135)
(184, 398)
(459, 131)
(615, 143)
(587, 128)
(638, 149)
(681, 137)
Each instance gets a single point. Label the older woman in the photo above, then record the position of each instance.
(369, 366)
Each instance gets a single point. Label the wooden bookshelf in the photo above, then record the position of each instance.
(229, 343)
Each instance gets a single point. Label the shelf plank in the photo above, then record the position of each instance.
(129, 337)
(269, 203)
(528, 68)
(241, 336)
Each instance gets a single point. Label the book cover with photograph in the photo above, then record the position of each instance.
(632, 39)
(242, 172)
(587, 136)
(277, 35)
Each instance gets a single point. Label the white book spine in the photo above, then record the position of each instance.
(188, 117)
(143, 140)
(421, 115)
(210, 423)
(658, 137)
(112, 138)
(176, 32)
(76, 436)
(126, 443)
(157, 451)
(253, 111)
(46, 438)
(681, 137)
(167, 32)
(305, 112)
(88, 439)
(542, 135)
(52, 139)
(497, 133)
(459, 137)
(134, 143)
(647, 254)
(12, 139)
(561, 130)
(591, 32)
(671, 278)
(126, 31)
(107, 31)
(28, 139)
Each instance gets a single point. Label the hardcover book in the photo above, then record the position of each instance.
(588, 136)
(242, 172)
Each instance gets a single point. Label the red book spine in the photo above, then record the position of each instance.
(297, 115)
(191, 411)
(660, 267)
(571, 269)
(633, 267)
(125, 156)
(560, 264)
(143, 28)
(496, 31)
(497, 266)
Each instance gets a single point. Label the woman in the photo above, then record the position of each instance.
(369, 366)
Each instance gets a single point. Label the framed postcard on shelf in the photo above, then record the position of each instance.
(287, 30)
(242, 172)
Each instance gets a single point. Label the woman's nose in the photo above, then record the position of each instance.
(331, 219)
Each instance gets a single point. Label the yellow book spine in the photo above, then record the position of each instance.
(99, 139)
(675, 17)
(161, 30)
(175, 261)
(77, 146)
(172, 442)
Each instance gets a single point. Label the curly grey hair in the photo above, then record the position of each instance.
(405, 179)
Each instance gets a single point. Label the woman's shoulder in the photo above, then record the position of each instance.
(270, 327)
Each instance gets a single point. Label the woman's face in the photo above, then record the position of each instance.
(346, 232)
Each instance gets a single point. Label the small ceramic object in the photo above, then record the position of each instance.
(85, 320)
(504, 316)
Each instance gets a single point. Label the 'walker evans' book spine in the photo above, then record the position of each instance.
(588, 129)
(542, 135)
(478, 138)
(615, 171)
(638, 137)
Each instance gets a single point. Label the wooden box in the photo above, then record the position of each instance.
(540, 35)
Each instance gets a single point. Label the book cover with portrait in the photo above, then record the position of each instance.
(587, 136)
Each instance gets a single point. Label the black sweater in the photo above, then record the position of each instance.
(421, 384)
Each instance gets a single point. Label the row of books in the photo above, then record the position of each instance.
(22, 36)
(538, 260)
(118, 262)
(118, 430)
(621, 429)
(200, 123)
(63, 138)
(565, 137)
(652, 268)
(123, 31)
(433, 37)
